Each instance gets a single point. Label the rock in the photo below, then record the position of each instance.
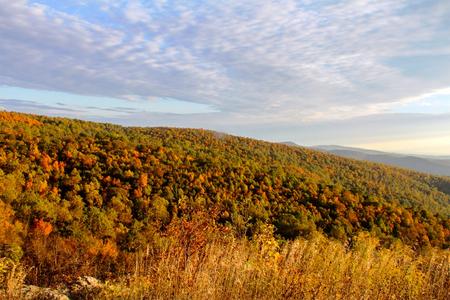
(32, 292)
(85, 287)
(87, 282)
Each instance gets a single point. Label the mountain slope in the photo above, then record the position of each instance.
(103, 190)
(81, 197)
(426, 164)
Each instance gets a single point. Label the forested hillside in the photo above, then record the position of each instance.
(97, 192)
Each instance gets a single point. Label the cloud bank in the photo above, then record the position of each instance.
(255, 62)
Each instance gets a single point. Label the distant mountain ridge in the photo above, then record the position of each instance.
(438, 165)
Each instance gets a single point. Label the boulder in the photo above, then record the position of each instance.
(85, 287)
(32, 292)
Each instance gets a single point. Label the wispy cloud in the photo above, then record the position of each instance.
(256, 62)
(283, 59)
(33, 107)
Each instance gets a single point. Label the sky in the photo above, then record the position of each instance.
(371, 74)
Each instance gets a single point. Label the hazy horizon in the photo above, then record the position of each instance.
(366, 74)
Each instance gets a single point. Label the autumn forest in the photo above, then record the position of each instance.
(80, 198)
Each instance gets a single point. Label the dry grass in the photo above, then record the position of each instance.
(12, 276)
(304, 269)
(223, 267)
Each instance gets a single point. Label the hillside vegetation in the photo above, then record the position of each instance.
(86, 198)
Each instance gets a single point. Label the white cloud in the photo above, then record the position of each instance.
(135, 12)
(258, 61)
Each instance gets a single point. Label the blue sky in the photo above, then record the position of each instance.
(359, 73)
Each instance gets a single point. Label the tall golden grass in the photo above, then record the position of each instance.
(318, 268)
(225, 267)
